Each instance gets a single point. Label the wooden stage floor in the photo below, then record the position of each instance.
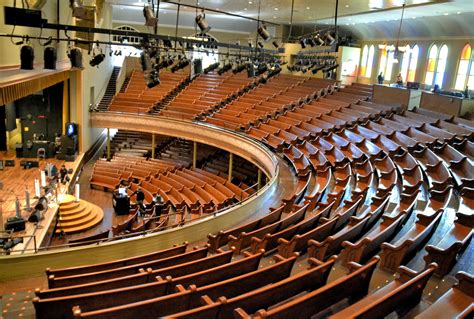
(15, 181)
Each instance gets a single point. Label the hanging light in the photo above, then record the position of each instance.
(78, 10)
(275, 44)
(396, 53)
(211, 67)
(303, 43)
(27, 57)
(180, 65)
(202, 23)
(150, 19)
(226, 67)
(320, 41)
(50, 58)
(97, 58)
(263, 32)
(330, 38)
(75, 56)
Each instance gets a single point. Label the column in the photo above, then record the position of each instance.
(108, 144)
(195, 147)
(259, 179)
(231, 163)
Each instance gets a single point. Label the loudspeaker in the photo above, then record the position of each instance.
(27, 56)
(10, 163)
(15, 223)
(50, 57)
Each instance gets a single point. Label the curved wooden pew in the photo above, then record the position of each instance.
(355, 285)
(401, 294)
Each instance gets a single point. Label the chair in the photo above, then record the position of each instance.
(41, 153)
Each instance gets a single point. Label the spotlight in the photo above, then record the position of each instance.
(164, 63)
(311, 42)
(167, 43)
(211, 68)
(50, 57)
(197, 66)
(240, 67)
(251, 70)
(318, 38)
(250, 43)
(152, 78)
(224, 69)
(330, 38)
(303, 43)
(202, 23)
(27, 57)
(317, 69)
(262, 68)
(145, 61)
(150, 19)
(75, 56)
(275, 44)
(260, 44)
(180, 65)
(263, 32)
(97, 59)
(330, 68)
(274, 71)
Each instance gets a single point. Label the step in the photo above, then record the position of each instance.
(94, 218)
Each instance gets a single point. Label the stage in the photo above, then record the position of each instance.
(16, 180)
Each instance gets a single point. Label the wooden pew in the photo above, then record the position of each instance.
(270, 241)
(222, 237)
(457, 302)
(104, 182)
(57, 307)
(223, 307)
(142, 277)
(116, 272)
(355, 285)
(244, 239)
(447, 250)
(62, 272)
(393, 255)
(401, 294)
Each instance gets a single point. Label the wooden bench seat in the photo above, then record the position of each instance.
(401, 294)
(142, 277)
(150, 294)
(353, 285)
(104, 182)
(445, 252)
(394, 254)
(457, 302)
(266, 296)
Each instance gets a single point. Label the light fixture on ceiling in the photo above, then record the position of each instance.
(150, 19)
(182, 63)
(397, 50)
(202, 22)
(263, 32)
(211, 67)
(151, 75)
(303, 43)
(75, 56)
(27, 57)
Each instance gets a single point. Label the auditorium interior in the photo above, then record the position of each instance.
(236, 159)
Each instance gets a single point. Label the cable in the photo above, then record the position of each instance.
(291, 20)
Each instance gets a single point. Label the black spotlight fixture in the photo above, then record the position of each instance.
(150, 19)
(145, 61)
(202, 22)
(50, 57)
(263, 32)
(260, 44)
(317, 68)
(320, 41)
(311, 42)
(224, 69)
(330, 68)
(262, 68)
(211, 68)
(240, 67)
(251, 70)
(97, 59)
(75, 56)
(275, 44)
(303, 43)
(197, 64)
(152, 79)
(27, 57)
(180, 65)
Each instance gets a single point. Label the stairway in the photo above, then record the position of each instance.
(170, 97)
(75, 217)
(109, 91)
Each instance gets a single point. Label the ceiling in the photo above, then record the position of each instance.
(364, 14)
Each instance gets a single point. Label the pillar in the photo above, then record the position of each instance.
(195, 147)
(153, 145)
(231, 163)
(259, 179)
(108, 144)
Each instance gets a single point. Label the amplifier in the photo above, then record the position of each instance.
(15, 223)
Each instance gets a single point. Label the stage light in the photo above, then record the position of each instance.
(152, 78)
(150, 19)
(211, 68)
(50, 57)
(320, 41)
(263, 32)
(27, 57)
(97, 59)
(75, 56)
(197, 64)
(275, 44)
(260, 44)
(303, 43)
(240, 67)
(145, 61)
(202, 23)
(330, 38)
(317, 69)
(250, 70)
(330, 68)
(311, 42)
(180, 65)
(224, 69)
(262, 68)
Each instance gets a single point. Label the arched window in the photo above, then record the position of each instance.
(370, 62)
(409, 63)
(387, 60)
(465, 75)
(383, 62)
(415, 52)
(441, 65)
(430, 71)
(363, 61)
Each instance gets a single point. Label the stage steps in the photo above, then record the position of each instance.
(75, 217)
